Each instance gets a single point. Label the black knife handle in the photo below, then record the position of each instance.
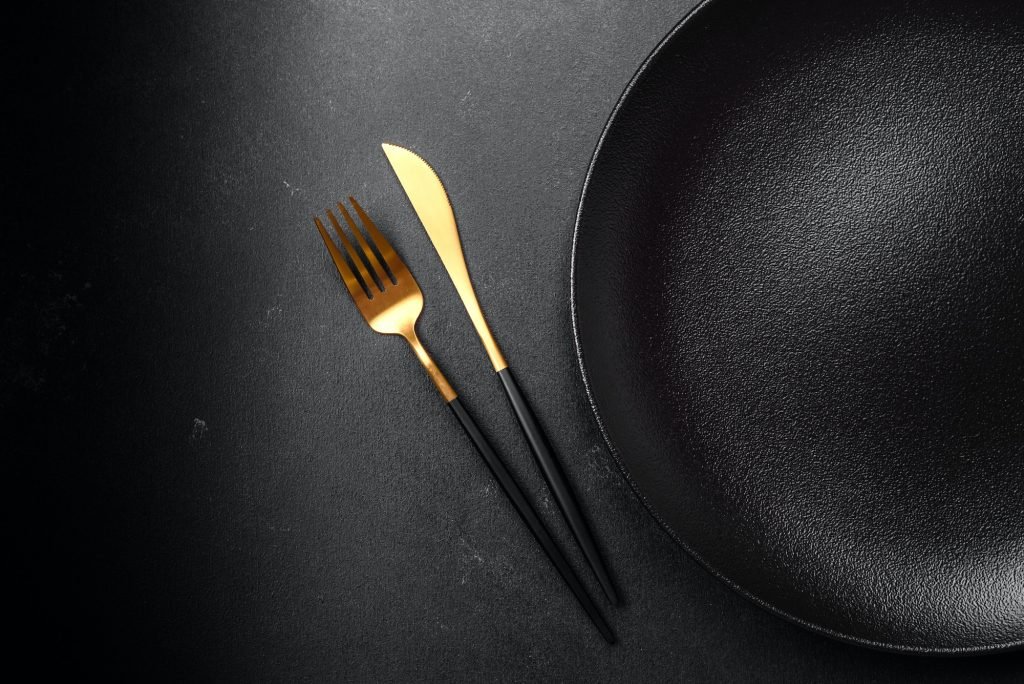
(557, 482)
(530, 517)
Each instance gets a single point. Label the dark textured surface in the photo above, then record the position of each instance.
(229, 477)
(800, 286)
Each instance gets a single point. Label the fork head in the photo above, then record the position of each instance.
(381, 285)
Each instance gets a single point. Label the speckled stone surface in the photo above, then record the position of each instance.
(230, 477)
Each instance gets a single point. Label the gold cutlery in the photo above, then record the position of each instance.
(430, 201)
(390, 299)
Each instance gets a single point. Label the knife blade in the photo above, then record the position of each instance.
(430, 200)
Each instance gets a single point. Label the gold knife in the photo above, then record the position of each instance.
(430, 201)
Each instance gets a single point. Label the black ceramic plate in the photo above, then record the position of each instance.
(798, 295)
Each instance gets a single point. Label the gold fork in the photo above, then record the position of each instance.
(390, 300)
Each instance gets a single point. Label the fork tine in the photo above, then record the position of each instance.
(353, 254)
(375, 265)
(354, 287)
(391, 258)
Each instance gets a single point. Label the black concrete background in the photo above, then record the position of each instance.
(217, 471)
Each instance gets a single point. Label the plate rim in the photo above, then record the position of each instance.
(890, 647)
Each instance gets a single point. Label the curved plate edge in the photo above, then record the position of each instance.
(771, 608)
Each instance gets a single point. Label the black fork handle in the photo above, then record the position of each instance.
(557, 482)
(530, 517)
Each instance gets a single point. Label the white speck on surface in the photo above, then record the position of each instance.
(599, 464)
(270, 317)
(292, 189)
(198, 433)
(471, 559)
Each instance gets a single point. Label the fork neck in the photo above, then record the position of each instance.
(441, 382)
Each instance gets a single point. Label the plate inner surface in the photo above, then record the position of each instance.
(798, 296)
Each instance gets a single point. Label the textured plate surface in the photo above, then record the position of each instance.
(798, 295)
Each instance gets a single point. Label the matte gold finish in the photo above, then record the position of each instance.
(389, 299)
(429, 199)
